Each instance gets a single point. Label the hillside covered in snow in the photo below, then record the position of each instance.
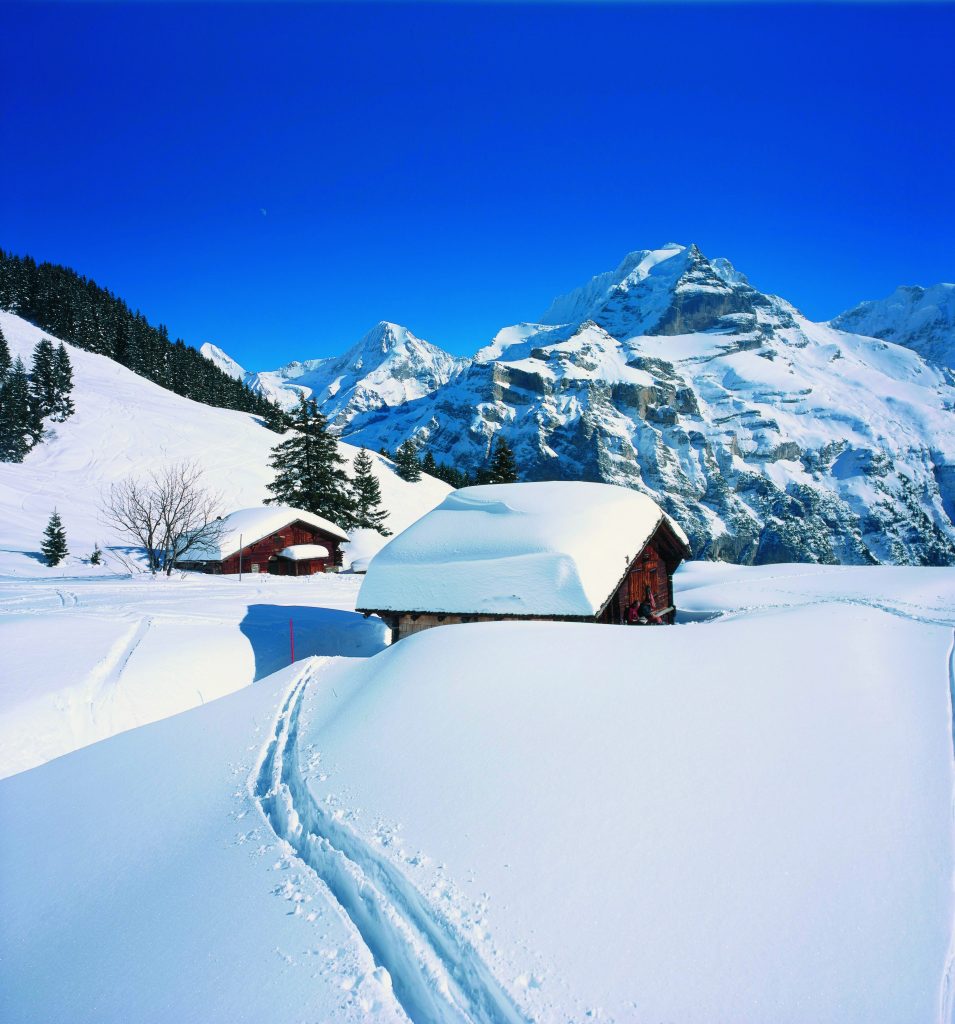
(125, 425)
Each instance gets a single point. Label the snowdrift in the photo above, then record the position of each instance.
(746, 820)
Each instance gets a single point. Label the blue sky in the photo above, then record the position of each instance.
(277, 179)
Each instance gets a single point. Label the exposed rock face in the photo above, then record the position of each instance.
(768, 437)
(922, 319)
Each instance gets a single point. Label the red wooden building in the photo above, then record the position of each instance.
(271, 539)
(567, 551)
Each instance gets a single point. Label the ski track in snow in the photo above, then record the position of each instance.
(105, 678)
(881, 606)
(437, 976)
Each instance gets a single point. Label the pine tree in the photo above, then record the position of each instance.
(406, 462)
(451, 475)
(96, 557)
(367, 495)
(308, 469)
(428, 465)
(43, 377)
(503, 468)
(383, 451)
(20, 426)
(4, 358)
(54, 541)
(63, 385)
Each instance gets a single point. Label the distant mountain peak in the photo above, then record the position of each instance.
(922, 319)
(671, 290)
(223, 360)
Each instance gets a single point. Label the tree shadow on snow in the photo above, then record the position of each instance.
(321, 631)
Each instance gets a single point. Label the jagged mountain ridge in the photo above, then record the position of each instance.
(769, 437)
(922, 319)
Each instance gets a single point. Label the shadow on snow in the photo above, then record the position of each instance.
(322, 631)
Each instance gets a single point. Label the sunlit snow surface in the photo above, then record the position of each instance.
(743, 819)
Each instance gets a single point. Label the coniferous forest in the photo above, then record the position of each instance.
(79, 311)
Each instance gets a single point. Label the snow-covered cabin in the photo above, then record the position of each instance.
(564, 550)
(272, 539)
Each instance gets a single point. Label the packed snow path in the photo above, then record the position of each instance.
(437, 976)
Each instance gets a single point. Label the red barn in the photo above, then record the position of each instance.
(561, 550)
(272, 539)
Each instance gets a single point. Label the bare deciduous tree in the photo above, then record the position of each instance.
(169, 512)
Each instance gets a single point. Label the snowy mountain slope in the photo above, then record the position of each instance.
(723, 867)
(125, 425)
(387, 367)
(922, 319)
(768, 437)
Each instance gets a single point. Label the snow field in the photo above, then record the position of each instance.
(748, 819)
(142, 884)
(98, 656)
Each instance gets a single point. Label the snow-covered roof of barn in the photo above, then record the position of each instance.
(555, 548)
(252, 524)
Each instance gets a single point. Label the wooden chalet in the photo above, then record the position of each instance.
(272, 539)
(566, 551)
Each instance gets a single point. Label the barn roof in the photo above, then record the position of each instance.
(252, 524)
(557, 548)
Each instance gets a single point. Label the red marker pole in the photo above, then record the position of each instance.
(291, 639)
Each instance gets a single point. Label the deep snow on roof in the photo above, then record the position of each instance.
(303, 552)
(247, 525)
(556, 548)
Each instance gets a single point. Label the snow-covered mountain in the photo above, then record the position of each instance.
(922, 319)
(224, 361)
(387, 367)
(767, 436)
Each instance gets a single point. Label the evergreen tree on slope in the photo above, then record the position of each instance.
(5, 360)
(20, 424)
(406, 462)
(63, 385)
(54, 541)
(503, 468)
(367, 494)
(308, 469)
(43, 377)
